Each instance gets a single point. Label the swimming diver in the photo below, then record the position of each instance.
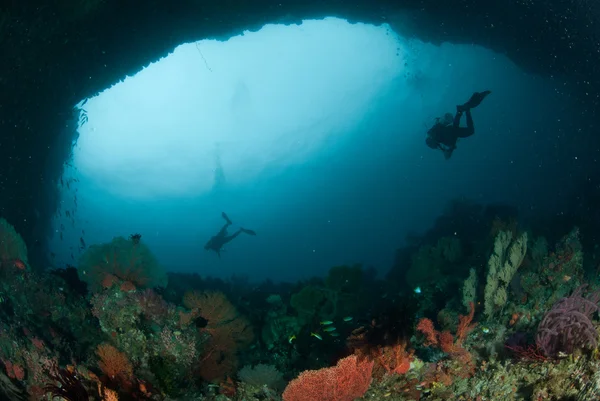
(444, 134)
(216, 242)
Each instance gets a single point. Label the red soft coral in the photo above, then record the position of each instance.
(450, 344)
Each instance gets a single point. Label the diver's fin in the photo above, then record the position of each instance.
(226, 218)
(249, 232)
(475, 100)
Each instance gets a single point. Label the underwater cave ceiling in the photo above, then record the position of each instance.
(54, 53)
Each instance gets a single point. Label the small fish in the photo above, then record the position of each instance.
(348, 319)
(292, 338)
(418, 290)
(334, 334)
(82, 242)
(18, 263)
(485, 330)
(315, 335)
(329, 329)
(326, 322)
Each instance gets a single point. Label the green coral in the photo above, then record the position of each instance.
(506, 258)
(469, 290)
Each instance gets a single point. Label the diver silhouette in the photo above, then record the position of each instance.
(217, 241)
(446, 131)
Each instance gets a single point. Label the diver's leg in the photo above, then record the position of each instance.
(457, 118)
(223, 231)
(470, 125)
(225, 217)
(470, 130)
(232, 236)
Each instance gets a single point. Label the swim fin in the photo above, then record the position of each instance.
(249, 232)
(226, 218)
(474, 101)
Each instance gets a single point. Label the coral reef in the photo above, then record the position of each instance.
(118, 330)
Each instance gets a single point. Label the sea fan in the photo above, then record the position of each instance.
(568, 325)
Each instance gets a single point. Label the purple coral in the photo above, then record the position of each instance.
(568, 325)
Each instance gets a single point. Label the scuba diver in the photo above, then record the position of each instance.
(217, 241)
(446, 131)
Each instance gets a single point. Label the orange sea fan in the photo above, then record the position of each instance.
(114, 363)
(226, 330)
